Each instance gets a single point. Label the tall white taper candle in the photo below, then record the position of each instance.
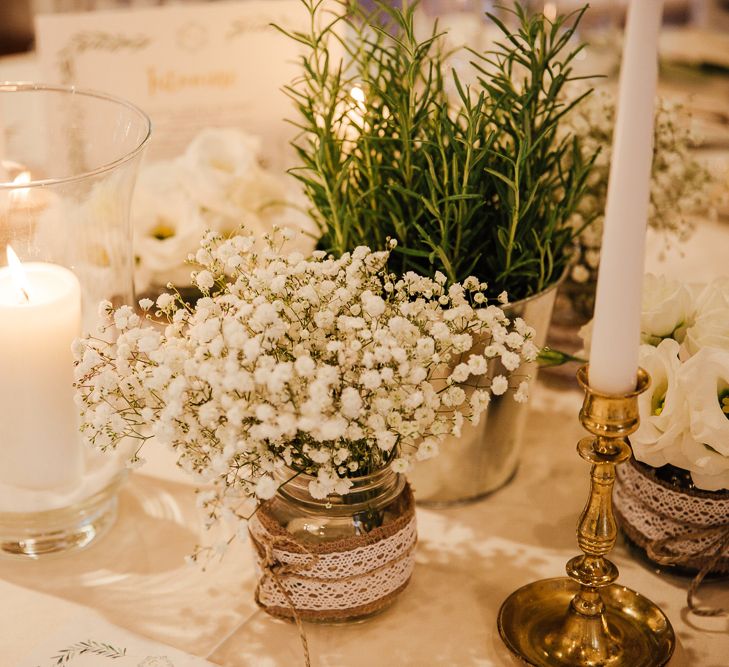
(616, 332)
(3, 150)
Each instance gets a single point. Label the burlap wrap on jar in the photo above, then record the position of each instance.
(336, 580)
(687, 528)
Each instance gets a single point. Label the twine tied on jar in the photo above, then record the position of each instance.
(718, 542)
(676, 526)
(346, 578)
(273, 569)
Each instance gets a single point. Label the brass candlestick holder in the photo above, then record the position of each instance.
(587, 619)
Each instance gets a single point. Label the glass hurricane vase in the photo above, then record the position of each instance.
(68, 162)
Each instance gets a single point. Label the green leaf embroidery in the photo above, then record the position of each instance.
(64, 656)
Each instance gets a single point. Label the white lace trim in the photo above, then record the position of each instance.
(340, 580)
(658, 512)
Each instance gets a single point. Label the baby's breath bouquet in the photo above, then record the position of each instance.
(287, 364)
(680, 186)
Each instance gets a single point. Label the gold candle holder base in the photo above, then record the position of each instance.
(587, 619)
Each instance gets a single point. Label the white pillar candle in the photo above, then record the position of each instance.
(40, 316)
(616, 333)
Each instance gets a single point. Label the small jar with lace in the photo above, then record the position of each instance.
(337, 559)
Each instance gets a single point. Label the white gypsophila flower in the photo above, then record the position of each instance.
(104, 309)
(167, 226)
(204, 280)
(667, 309)
(580, 273)
(499, 385)
(522, 393)
(427, 449)
(318, 365)
(165, 300)
(266, 487)
(680, 185)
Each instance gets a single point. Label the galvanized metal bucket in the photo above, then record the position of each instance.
(485, 456)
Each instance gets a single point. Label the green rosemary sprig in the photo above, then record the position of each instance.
(524, 77)
(472, 185)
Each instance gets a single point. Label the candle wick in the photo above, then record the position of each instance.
(25, 294)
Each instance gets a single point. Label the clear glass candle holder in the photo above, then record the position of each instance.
(68, 163)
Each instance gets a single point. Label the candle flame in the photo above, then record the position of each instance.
(357, 95)
(23, 178)
(550, 11)
(357, 112)
(17, 272)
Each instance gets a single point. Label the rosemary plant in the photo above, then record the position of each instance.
(471, 185)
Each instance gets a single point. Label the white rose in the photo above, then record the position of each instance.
(711, 330)
(167, 226)
(714, 296)
(218, 157)
(711, 325)
(663, 410)
(258, 191)
(221, 172)
(705, 378)
(667, 309)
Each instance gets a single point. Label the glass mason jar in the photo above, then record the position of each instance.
(68, 163)
(340, 558)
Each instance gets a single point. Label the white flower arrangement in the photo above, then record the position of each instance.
(218, 183)
(680, 185)
(319, 365)
(685, 412)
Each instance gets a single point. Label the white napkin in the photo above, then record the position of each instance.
(96, 643)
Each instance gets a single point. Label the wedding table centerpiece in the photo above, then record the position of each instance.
(306, 384)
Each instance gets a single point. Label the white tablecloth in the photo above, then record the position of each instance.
(468, 560)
